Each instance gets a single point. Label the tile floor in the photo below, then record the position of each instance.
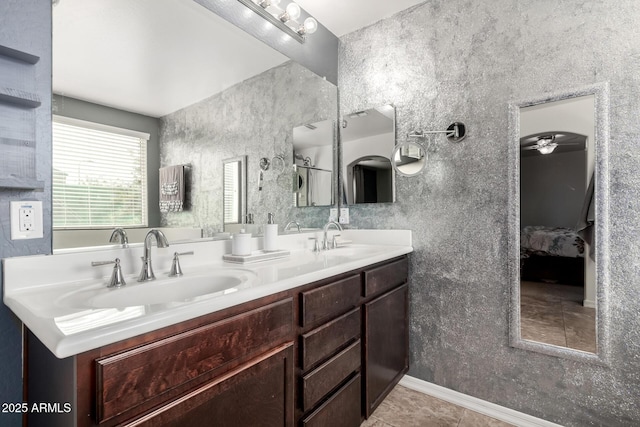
(408, 408)
(553, 314)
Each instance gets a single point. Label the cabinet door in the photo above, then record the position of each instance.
(257, 393)
(386, 345)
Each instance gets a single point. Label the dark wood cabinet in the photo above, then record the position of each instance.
(342, 409)
(257, 393)
(322, 354)
(386, 338)
(132, 381)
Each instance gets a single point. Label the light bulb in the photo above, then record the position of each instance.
(548, 149)
(310, 25)
(293, 10)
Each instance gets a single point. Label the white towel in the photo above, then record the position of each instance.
(172, 188)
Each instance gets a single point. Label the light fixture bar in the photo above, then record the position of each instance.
(274, 20)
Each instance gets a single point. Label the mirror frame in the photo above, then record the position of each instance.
(601, 143)
(398, 147)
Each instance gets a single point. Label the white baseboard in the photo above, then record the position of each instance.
(588, 303)
(473, 403)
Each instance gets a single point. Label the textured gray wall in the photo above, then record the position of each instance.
(458, 60)
(254, 118)
(25, 25)
(83, 110)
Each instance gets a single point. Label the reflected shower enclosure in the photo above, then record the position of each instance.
(313, 161)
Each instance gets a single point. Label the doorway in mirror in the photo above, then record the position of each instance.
(557, 267)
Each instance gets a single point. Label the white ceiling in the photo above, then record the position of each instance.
(157, 56)
(344, 16)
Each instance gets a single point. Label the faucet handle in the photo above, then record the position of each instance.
(316, 245)
(334, 242)
(117, 279)
(176, 270)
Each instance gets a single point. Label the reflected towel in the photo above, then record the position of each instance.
(171, 188)
(585, 226)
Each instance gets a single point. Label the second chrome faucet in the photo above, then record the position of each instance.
(147, 271)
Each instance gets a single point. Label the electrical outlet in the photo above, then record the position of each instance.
(333, 214)
(26, 220)
(344, 216)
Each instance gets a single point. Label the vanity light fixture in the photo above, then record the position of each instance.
(285, 19)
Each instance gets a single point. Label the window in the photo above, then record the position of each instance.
(234, 184)
(99, 175)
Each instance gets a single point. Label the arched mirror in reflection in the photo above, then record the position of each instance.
(367, 138)
(409, 158)
(558, 286)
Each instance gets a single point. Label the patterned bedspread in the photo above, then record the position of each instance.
(541, 240)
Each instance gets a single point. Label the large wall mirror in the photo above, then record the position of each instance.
(209, 91)
(367, 140)
(558, 240)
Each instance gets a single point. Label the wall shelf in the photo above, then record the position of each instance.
(18, 54)
(21, 184)
(20, 98)
(18, 140)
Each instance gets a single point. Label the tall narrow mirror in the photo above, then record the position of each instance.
(313, 163)
(367, 139)
(559, 163)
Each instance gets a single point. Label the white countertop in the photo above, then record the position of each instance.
(36, 288)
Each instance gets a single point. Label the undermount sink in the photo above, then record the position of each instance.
(160, 291)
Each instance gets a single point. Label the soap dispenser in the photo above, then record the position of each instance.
(270, 234)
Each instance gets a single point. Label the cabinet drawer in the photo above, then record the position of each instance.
(341, 410)
(258, 393)
(330, 300)
(322, 342)
(319, 382)
(154, 373)
(385, 277)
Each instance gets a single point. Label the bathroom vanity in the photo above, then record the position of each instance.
(323, 345)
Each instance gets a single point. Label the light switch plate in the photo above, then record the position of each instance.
(26, 220)
(344, 216)
(333, 214)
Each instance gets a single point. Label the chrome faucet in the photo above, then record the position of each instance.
(292, 223)
(325, 242)
(120, 234)
(147, 272)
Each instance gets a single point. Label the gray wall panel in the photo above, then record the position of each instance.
(454, 60)
(25, 25)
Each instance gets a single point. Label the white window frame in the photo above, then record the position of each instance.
(142, 174)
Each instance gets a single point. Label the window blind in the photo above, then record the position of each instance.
(232, 193)
(99, 176)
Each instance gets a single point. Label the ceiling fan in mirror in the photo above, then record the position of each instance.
(547, 142)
